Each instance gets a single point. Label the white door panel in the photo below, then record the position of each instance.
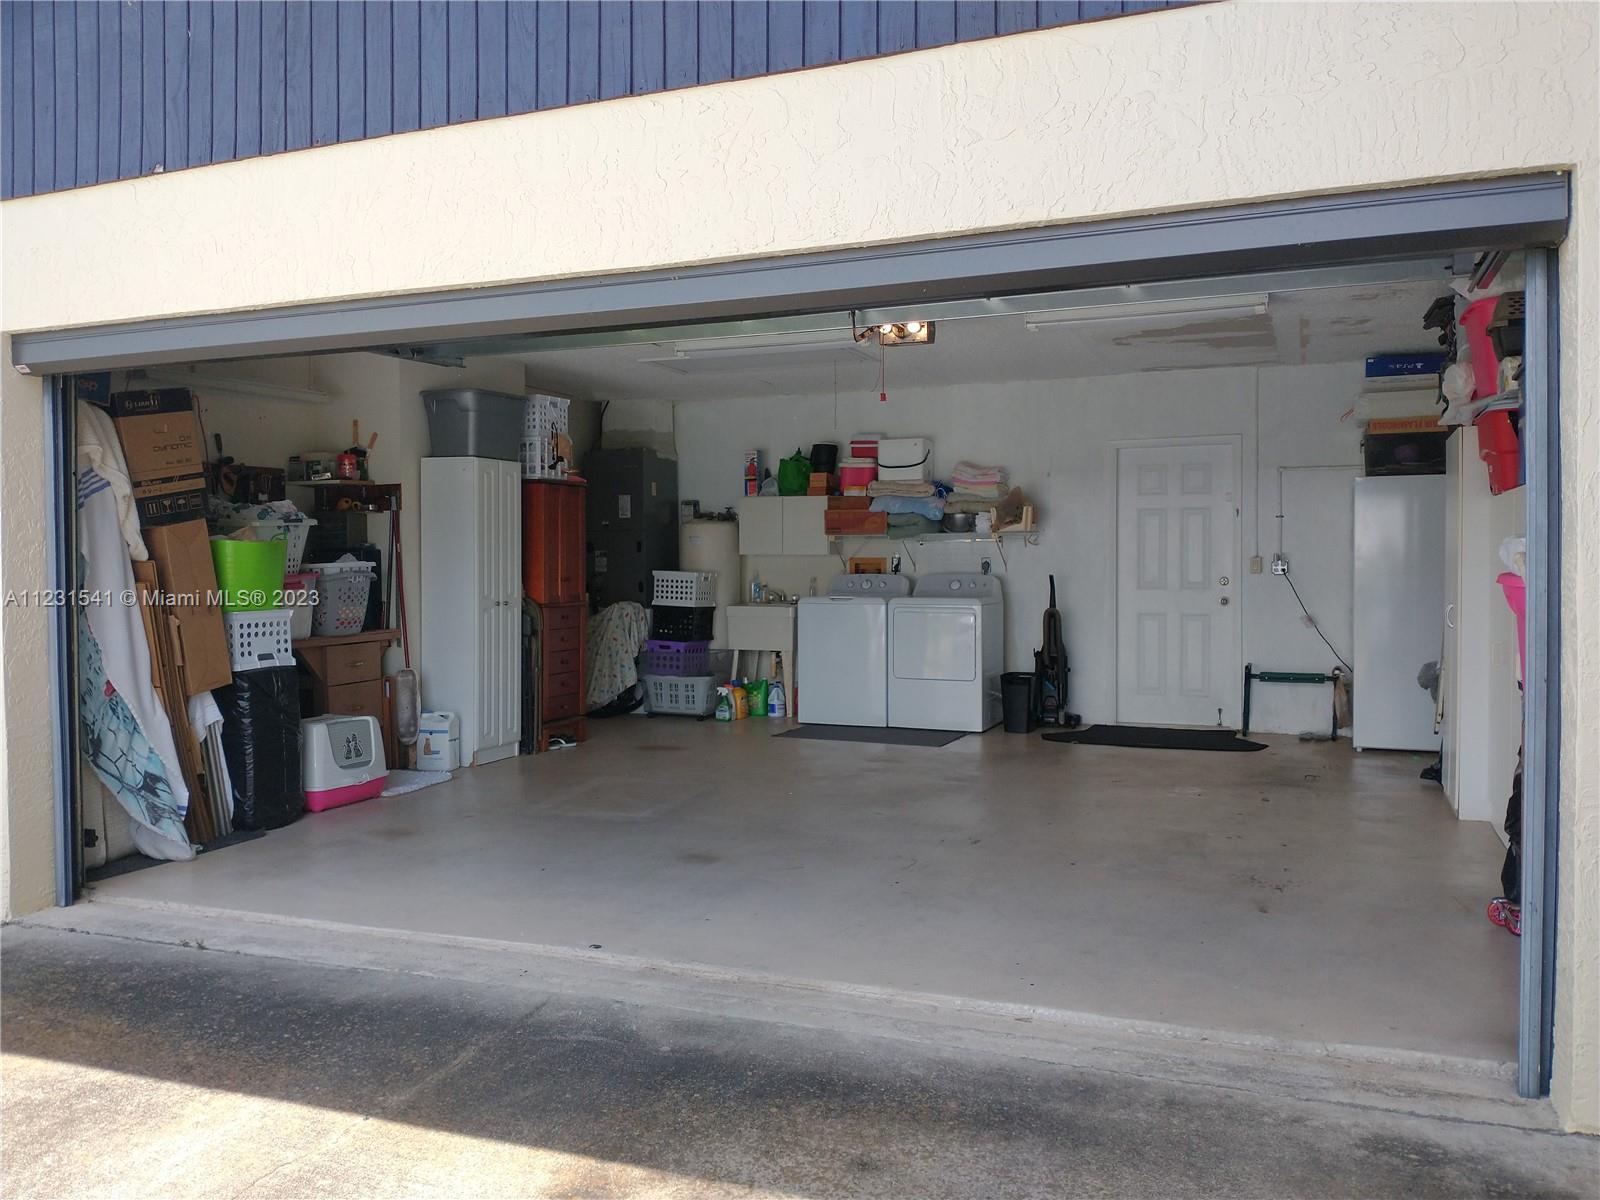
(1177, 586)
(935, 643)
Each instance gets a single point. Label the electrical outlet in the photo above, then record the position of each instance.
(1255, 564)
(1280, 564)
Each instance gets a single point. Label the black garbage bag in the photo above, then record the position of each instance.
(1511, 868)
(261, 741)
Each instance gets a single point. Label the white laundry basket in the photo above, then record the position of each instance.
(342, 589)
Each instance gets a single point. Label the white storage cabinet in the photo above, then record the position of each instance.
(472, 600)
(783, 525)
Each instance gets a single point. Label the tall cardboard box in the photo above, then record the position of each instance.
(182, 554)
(160, 435)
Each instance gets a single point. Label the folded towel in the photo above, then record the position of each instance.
(930, 507)
(973, 473)
(899, 487)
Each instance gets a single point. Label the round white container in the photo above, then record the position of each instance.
(713, 546)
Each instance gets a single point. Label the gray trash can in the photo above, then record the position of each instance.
(1016, 700)
(475, 423)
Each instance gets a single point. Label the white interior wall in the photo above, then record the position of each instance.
(1058, 439)
(639, 422)
(1483, 703)
(380, 392)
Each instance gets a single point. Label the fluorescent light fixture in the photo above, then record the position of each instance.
(800, 343)
(745, 353)
(1221, 307)
(230, 385)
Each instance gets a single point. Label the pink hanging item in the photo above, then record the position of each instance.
(1516, 590)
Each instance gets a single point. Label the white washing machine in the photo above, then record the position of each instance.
(946, 652)
(842, 650)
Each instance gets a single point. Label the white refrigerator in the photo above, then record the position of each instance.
(1399, 608)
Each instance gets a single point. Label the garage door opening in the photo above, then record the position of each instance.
(1309, 893)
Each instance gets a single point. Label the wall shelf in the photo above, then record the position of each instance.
(1028, 537)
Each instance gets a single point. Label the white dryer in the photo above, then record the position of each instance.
(946, 653)
(842, 670)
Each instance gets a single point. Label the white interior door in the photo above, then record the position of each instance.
(1177, 585)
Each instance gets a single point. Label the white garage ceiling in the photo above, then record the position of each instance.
(1314, 326)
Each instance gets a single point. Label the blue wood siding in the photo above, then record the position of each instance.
(95, 91)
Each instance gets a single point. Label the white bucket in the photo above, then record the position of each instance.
(438, 741)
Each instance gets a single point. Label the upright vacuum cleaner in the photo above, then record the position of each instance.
(1050, 671)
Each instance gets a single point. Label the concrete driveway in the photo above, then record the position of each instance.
(139, 1069)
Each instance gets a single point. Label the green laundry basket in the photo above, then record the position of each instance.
(250, 574)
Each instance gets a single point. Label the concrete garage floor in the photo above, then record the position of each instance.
(1305, 892)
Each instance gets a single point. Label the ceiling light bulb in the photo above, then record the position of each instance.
(913, 327)
(886, 330)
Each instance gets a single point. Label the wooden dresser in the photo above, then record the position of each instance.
(553, 567)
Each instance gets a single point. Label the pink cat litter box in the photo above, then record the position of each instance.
(341, 761)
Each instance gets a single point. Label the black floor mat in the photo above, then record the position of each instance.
(130, 863)
(1147, 737)
(873, 734)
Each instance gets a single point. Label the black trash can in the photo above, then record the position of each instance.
(1016, 700)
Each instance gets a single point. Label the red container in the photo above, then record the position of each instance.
(1500, 450)
(1485, 365)
(854, 473)
(864, 446)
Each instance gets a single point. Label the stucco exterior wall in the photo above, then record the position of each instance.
(1165, 111)
(27, 822)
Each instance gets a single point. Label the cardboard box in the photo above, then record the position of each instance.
(849, 503)
(160, 433)
(182, 554)
(169, 501)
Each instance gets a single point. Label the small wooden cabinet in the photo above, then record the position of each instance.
(345, 674)
(553, 554)
(553, 541)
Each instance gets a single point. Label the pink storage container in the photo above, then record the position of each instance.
(855, 474)
(1516, 590)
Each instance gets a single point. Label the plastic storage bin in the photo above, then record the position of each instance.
(543, 416)
(342, 589)
(292, 534)
(855, 474)
(675, 658)
(301, 589)
(250, 574)
(694, 696)
(683, 589)
(905, 459)
(258, 639)
(682, 624)
(474, 422)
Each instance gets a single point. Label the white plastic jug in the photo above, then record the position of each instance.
(438, 741)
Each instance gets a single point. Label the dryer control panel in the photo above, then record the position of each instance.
(959, 586)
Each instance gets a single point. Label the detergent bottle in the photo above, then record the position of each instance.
(777, 705)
